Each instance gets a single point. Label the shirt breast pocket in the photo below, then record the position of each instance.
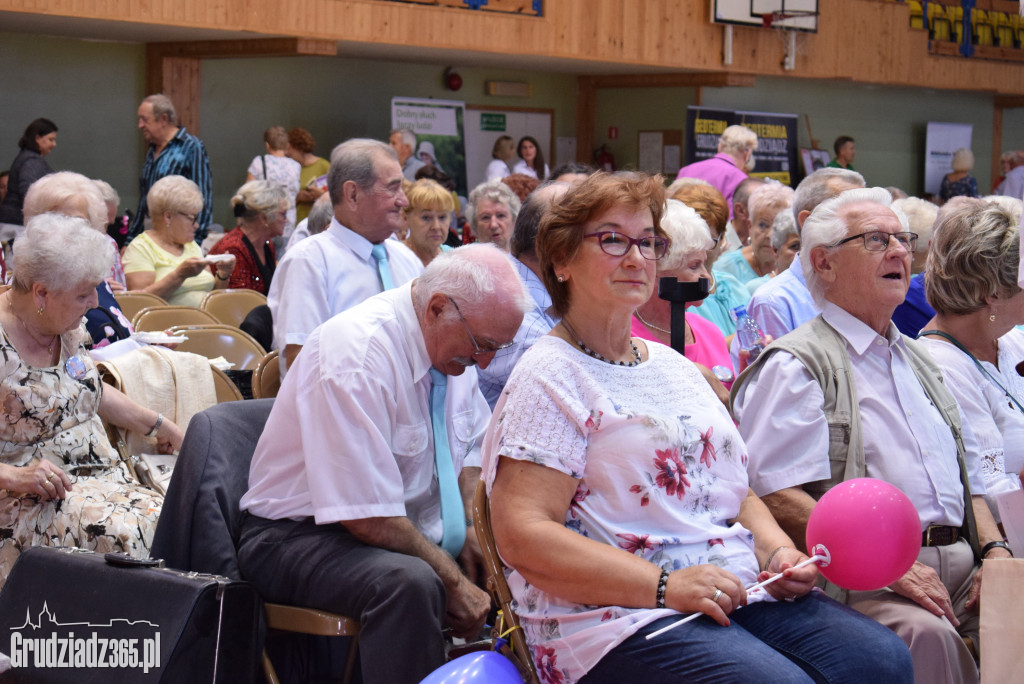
(464, 426)
(409, 440)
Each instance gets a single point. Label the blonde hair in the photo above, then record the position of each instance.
(258, 197)
(174, 193)
(963, 160)
(51, 191)
(428, 194)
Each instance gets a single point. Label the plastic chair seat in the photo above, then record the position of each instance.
(212, 341)
(159, 318)
(231, 306)
(131, 302)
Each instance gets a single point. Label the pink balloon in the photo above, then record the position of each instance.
(871, 532)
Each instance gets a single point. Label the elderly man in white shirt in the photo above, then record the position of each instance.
(353, 259)
(347, 489)
(846, 395)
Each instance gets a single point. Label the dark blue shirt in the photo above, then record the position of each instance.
(915, 311)
(185, 156)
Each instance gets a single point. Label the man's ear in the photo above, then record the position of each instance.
(436, 306)
(801, 217)
(822, 264)
(349, 194)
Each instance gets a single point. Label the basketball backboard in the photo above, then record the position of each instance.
(800, 15)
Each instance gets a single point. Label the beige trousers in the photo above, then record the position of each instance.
(937, 648)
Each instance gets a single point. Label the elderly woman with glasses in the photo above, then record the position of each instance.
(971, 282)
(165, 260)
(61, 482)
(686, 260)
(619, 488)
(758, 257)
(846, 395)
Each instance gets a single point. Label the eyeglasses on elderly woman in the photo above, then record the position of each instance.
(878, 240)
(617, 244)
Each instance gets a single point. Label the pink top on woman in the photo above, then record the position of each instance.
(708, 349)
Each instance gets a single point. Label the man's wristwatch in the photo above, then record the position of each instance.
(995, 544)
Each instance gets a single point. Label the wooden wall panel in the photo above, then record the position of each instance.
(862, 40)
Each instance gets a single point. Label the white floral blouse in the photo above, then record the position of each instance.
(661, 470)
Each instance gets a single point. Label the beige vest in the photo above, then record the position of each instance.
(822, 351)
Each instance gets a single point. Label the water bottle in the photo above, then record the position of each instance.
(748, 332)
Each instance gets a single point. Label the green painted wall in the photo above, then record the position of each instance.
(889, 124)
(336, 99)
(90, 90)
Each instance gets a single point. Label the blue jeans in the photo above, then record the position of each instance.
(811, 639)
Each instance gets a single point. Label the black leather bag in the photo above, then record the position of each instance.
(68, 615)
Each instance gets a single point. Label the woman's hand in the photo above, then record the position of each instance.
(225, 267)
(169, 437)
(191, 267)
(694, 590)
(794, 583)
(40, 477)
(115, 286)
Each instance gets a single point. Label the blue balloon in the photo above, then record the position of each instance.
(483, 667)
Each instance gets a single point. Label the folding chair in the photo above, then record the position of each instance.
(508, 626)
(132, 302)
(212, 341)
(231, 306)
(160, 318)
(200, 523)
(266, 380)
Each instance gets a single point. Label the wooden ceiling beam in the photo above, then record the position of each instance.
(258, 47)
(685, 80)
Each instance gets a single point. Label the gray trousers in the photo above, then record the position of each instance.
(937, 648)
(399, 600)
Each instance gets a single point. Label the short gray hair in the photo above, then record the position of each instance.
(174, 193)
(783, 226)
(162, 106)
(479, 279)
(51, 191)
(826, 226)
(921, 216)
(770, 195)
(355, 160)
(1011, 205)
(320, 215)
(496, 191)
(258, 197)
(820, 186)
(687, 233)
(107, 191)
(61, 253)
(408, 136)
(975, 255)
(736, 139)
(963, 160)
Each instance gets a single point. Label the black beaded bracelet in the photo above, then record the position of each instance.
(662, 586)
(993, 545)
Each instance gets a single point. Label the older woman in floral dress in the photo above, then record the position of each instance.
(60, 480)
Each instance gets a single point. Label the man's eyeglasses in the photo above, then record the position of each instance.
(192, 218)
(493, 348)
(617, 244)
(878, 240)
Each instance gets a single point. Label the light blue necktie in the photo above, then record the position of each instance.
(453, 515)
(380, 253)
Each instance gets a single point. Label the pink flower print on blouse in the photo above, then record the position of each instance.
(634, 543)
(707, 453)
(671, 472)
(594, 421)
(547, 665)
(713, 542)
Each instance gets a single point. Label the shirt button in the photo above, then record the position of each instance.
(878, 342)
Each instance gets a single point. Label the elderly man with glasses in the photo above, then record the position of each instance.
(360, 485)
(846, 395)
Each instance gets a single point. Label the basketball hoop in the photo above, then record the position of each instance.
(770, 19)
(792, 28)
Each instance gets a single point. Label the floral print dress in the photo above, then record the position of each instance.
(661, 470)
(51, 413)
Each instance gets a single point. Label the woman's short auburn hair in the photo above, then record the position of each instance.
(707, 201)
(560, 234)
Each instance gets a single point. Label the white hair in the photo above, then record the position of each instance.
(408, 136)
(783, 226)
(826, 226)
(771, 195)
(1011, 205)
(496, 191)
(687, 233)
(54, 189)
(921, 216)
(820, 186)
(737, 139)
(60, 252)
(479, 277)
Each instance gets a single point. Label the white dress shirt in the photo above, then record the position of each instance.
(350, 437)
(906, 443)
(326, 274)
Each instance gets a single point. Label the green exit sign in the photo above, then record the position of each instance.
(492, 122)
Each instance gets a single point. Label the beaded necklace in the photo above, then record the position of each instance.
(590, 352)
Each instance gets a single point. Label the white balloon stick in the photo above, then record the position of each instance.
(751, 589)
